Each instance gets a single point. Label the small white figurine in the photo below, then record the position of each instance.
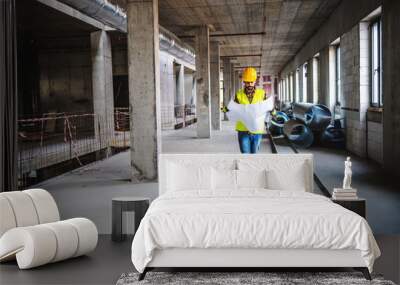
(347, 174)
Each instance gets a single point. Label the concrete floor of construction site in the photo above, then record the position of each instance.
(88, 191)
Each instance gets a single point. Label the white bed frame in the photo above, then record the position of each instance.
(234, 257)
(251, 258)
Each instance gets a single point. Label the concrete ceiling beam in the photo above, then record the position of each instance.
(61, 7)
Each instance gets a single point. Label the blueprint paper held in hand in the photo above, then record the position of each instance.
(252, 115)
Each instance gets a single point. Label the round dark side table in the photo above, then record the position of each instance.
(139, 205)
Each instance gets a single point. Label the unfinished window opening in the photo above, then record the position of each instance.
(221, 88)
(376, 98)
(304, 97)
(297, 86)
(338, 75)
(315, 79)
(279, 90)
(291, 87)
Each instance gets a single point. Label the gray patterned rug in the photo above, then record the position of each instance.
(243, 278)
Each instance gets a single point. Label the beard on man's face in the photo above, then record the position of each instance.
(249, 89)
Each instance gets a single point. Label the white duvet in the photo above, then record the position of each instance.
(250, 219)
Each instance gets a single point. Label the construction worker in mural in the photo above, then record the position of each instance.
(249, 109)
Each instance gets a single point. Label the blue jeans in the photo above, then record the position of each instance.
(248, 142)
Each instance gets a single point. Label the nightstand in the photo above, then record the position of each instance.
(358, 206)
(139, 205)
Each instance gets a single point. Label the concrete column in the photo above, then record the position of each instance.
(323, 96)
(273, 90)
(180, 90)
(214, 83)
(233, 85)
(102, 86)
(235, 81)
(310, 82)
(227, 83)
(391, 86)
(287, 86)
(180, 86)
(194, 90)
(203, 106)
(144, 87)
(354, 85)
(238, 81)
(301, 77)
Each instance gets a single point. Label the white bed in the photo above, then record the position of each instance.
(247, 211)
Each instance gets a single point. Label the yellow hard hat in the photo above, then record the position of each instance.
(249, 74)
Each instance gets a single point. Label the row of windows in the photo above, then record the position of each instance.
(290, 86)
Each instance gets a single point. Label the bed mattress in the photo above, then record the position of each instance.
(250, 219)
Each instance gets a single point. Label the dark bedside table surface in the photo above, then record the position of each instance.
(358, 206)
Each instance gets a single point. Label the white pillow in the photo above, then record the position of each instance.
(292, 178)
(183, 177)
(251, 178)
(283, 173)
(224, 179)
